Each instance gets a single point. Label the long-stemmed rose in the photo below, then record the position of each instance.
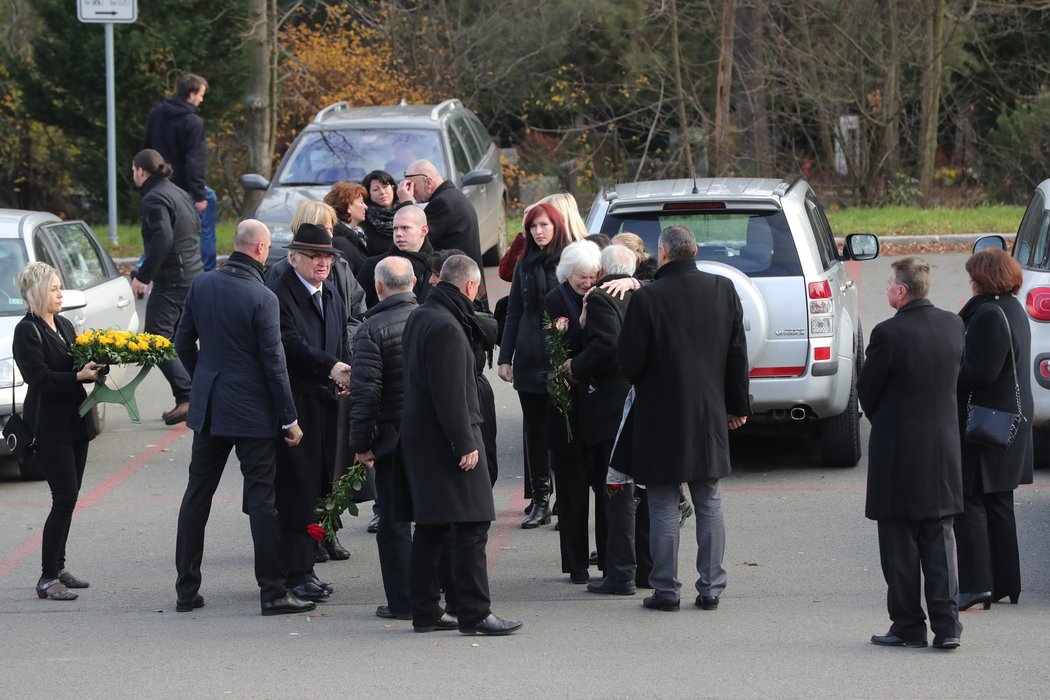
(329, 508)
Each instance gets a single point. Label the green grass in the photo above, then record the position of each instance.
(891, 221)
(129, 238)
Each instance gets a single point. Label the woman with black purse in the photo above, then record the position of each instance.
(994, 374)
(55, 390)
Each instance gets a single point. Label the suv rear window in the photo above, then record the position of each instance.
(12, 262)
(324, 157)
(758, 244)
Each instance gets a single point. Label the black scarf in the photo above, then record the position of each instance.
(382, 219)
(535, 264)
(448, 295)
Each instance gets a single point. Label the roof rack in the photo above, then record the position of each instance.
(445, 106)
(786, 184)
(328, 111)
(609, 192)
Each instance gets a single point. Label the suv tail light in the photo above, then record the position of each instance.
(1044, 369)
(821, 306)
(1038, 303)
(819, 290)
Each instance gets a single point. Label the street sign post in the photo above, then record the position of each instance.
(108, 12)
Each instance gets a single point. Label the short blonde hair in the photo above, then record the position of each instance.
(34, 284)
(314, 212)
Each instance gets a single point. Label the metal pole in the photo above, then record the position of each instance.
(111, 135)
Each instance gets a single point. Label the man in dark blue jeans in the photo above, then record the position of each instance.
(176, 131)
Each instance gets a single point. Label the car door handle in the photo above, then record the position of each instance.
(122, 302)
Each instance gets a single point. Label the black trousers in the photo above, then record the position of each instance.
(208, 460)
(911, 550)
(394, 541)
(163, 311)
(471, 574)
(577, 477)
(987, 537)
(537, 457)
(63, 465)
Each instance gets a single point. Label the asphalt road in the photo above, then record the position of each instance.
(805, 591)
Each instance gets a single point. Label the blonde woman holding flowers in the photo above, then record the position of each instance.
(55, 389)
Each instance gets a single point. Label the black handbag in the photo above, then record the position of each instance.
(20, 440)
(992, 427)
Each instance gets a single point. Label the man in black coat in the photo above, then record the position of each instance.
(376, 396)
(411, 243)
(446, 488)
(170, 234)
(241, 400)
(683, 348)
(176, 131)
(907, 389)
(313, 332)
(601, 395)
(452, 219)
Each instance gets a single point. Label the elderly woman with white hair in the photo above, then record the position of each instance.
(578, 270)
(55, 390)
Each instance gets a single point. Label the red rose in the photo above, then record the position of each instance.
(316, 531)
(614, 489)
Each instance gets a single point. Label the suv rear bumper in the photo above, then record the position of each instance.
(824, 395)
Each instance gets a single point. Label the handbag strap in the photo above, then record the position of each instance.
(1013, 362)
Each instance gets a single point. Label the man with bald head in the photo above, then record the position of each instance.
(411, 243)
(376, 398)
(241, 400)
(451, 217)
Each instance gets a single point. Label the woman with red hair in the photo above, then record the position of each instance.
(523, 357)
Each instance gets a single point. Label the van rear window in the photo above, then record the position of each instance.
(758, 244)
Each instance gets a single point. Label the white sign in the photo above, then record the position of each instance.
(117, 11)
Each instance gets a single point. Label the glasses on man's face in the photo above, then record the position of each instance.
(415, 175)
(323, 257)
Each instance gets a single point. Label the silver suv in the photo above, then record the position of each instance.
(772, 239)
(345, 143)
(1032, 250)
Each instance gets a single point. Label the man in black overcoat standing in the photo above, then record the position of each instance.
(241, 400)
(683, 348)
(444, 465)
(313, 332)
(907, 389)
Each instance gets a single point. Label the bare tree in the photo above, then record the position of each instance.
(726, 45)
(932, 78)
(259, 96)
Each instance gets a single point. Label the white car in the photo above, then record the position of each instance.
(95, 294)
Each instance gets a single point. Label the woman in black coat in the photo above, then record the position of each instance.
(55, 390)
(986, 533)
(381, 200)
(523, 358)
(348, 200)
(577, 271)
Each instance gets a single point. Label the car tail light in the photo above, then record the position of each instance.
(777, 371)
(1038, 303)
(692, 206)
(820, 306)
(819, 290)
(1044, 369)
(821, 354)
(820, 325)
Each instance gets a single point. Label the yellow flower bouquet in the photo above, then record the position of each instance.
(115, 347)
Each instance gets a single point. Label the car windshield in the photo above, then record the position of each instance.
(324, 157)
(758, 244)
(12, 261)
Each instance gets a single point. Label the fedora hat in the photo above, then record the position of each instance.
(311, 237)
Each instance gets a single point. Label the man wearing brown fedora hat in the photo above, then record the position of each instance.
(313, 332)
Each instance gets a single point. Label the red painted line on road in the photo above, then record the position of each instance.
(12, 560)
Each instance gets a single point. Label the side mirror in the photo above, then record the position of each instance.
(985, 242)
(73, 299)
(862, 246)
(253, 181)
(480, 176)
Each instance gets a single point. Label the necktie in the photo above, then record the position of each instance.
(317, 302)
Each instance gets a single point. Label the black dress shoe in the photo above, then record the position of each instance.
(539, 515)
(445, 622)
(948, 643)
(176, 415)
(593, 558)
(655, 602)
(386, 613)
(197, 601)
(707, 602)
(493, 627)
(996, 596)
(892, 640)
(579, 577)
(287, 604)
(612, 586)
(373, 525)
(328, 588)
(335, 550)
(321, 554)
(309, 591)
(968, 600)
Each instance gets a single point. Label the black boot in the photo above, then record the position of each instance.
(539, 515)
